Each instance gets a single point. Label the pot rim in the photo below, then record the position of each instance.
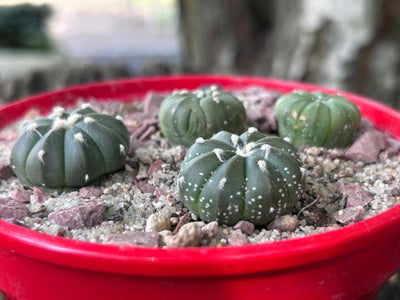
(207, 261)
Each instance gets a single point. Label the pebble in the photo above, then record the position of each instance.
(157, 222)
(86, 214)
(11, 209)
(349, 215)
(245, 227)
(145, 239)
(190, 235)
(287, 223)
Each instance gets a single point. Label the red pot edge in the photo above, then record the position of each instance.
(210, 261)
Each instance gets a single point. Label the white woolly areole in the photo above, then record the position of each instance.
(41, 154)
(219, 152)
(122, 150)
(252, 130)
(88, 120)
(287, 139)
(86, 105)
(79, 137)
(32, 127)
(72, 119)
(221, 183)
(199, 140)
(58, 111)
(234, 139)
(262, 165)
(118, 117)
(59, 124)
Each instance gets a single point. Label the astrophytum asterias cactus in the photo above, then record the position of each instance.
(68, 151)
(317, 119)
(185, 116)
(250, 177)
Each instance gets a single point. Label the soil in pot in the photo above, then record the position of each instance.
(140, 204)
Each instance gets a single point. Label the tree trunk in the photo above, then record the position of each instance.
(348, 45)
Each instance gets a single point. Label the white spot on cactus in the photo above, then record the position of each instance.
(119, 118)
(79, 137)
(88, 120)
(271, 210)
(86, 177)
(221, 183)
(287, 139)
(181, 180)
(41, 154)
(215, 94)
(59, 124)
(200, 94)
(72, 119)
(33, 127)
(86, 105)
(122, 150)
(252, 130)
(219, 152)
(262, 165)
(213, 87)
(199, 140)
(267, 149)
(216, 99)
(58, 111)
(234, 139)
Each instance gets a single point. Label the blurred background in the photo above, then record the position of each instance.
(349, 45)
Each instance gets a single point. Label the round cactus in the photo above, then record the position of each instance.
(317, 119)
(250, 177)
(185, 116)
(68, 151)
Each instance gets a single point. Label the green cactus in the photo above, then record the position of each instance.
(68, 151)
(317, 119)
(250, 177)
(185, 116)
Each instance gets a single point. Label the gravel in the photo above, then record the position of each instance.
(140, 206)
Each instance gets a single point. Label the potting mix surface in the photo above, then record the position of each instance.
(139, 205)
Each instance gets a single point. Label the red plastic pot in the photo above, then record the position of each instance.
(348, 263)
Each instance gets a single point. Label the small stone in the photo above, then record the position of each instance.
(151, 103)
(190, 235)
(356, 195)
(39, 195)
(349, 215)
(210, 230)
(21, 195)
(83, 215)
(237, 238)
(6, 171)
(245, 227)
(145, 239)
(284, 223)
(155, 166)
(157, 223)
(392, 150)
(145, 187)
(90, 191)
(368, 146)
(11, 209)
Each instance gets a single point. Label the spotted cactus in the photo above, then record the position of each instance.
(317, 119)
(185, 116)
(68, 151)
(250, 177)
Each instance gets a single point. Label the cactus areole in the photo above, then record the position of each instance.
(317, 119)
(68, 151)
(250, 177)
(184, 116)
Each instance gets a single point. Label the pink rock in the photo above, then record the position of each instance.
(245, 227)
(152, 102)
(284, 223)
(155, 166)
(40, 195)
(368, 146)
(349, 215)
(146, 239)
(90, 191)
(86, 214)
(21, 195)
(392, 150)
(12, 209)
(356, 195)
(145, 187)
